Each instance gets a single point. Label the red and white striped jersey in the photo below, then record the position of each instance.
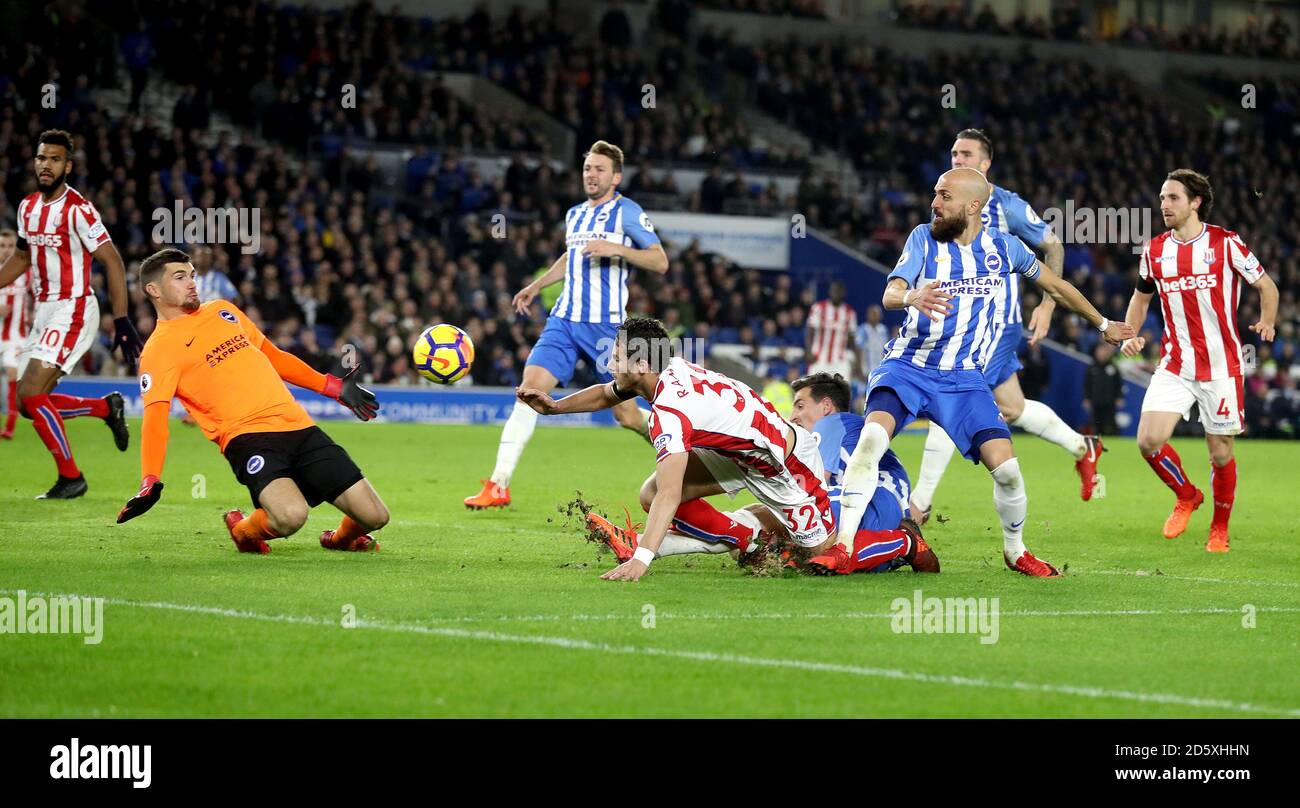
(834, 329)
(61, 235)
(695, 408)
(15, 322)
(1199, 282)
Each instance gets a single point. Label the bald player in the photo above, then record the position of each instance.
(231, 378)
(951, 278)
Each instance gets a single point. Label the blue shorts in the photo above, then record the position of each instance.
(561, 342)
(883, 513)
(959, 401)
(1004, 361)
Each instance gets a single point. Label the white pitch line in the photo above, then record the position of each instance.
(569, 643)
(1146, 574)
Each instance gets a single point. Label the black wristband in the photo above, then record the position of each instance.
(621, 395)
(1146, 286)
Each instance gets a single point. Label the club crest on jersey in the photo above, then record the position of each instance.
(255, 464)
(1209, 255)
(146, 381)
(985, 218)
(993, 262)
(228, 317)
(602, 217)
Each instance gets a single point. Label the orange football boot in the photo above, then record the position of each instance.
(1218, 542)
(621, 540)
(1177, 521)
(492, 496)
(233, 518)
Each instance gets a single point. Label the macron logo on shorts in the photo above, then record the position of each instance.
(255, 463)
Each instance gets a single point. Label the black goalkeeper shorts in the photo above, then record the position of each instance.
(320, 467)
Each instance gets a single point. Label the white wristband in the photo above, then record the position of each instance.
(1105, 324)
(905, 296)
(644, 554)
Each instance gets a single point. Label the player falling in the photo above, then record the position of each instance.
(1008, 213)
(59, 234)
(952, 278)
(15, 322)
(712, 435)
(230, 377)
(1197, 268)
(604, 236)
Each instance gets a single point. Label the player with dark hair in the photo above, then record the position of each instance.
(230, 377)
(822, 405)
(59, 235)
(1197, 268)
(712, 435)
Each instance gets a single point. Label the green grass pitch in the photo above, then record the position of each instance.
(503, 614)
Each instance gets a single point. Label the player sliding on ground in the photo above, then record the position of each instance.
(949, 276)
(712, 435)
(1197, 268)
(231, 379)
(1008, 213)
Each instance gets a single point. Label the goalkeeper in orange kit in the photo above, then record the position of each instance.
(229, 377)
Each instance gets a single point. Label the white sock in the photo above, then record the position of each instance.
(1038, 419)
(514, 437)
(675, 543)
(1012, 504)
(938, 454)
(861, 476)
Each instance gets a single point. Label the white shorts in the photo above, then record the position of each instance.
(62, 332)
(797, 494)
(10, 350)
(843, 367)
(1221, 402)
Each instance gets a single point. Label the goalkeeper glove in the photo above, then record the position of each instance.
(356, 398)
(148, 495)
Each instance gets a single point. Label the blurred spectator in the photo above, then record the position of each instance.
(871, 338)
(1103, 390)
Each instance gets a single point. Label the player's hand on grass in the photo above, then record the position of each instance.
(1265, 330)
(1117, 332)
(356, 398)
(1040, 321)
(539, 401)
(150, 492)
(631, 570)
(1133, 347)
(930, 300)
(127, 339)
(524, 299)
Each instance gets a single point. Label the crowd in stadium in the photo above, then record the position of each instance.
(342, 263)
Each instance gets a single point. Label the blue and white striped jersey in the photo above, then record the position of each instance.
(595, 291)
(214, 285)
(1007, 212)
(976, 275)
(838, 435)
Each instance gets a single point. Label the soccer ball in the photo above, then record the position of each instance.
(443, 354)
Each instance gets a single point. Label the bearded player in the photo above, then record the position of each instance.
(952, 278)
(1008, 213)
(230, 377)
(1197, 268)
(712, 435)
(605, 236)
(59, 235)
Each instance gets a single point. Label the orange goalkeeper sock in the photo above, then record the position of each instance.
(348, 531)
(255, 527)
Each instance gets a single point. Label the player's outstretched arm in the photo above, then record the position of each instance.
(1040, 320)
(345, 390)
(669, 475)
(596, 397)
(1065, 294)
(153, 454)
(1267, 308)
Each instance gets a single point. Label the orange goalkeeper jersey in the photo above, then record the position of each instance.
(216, 362)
